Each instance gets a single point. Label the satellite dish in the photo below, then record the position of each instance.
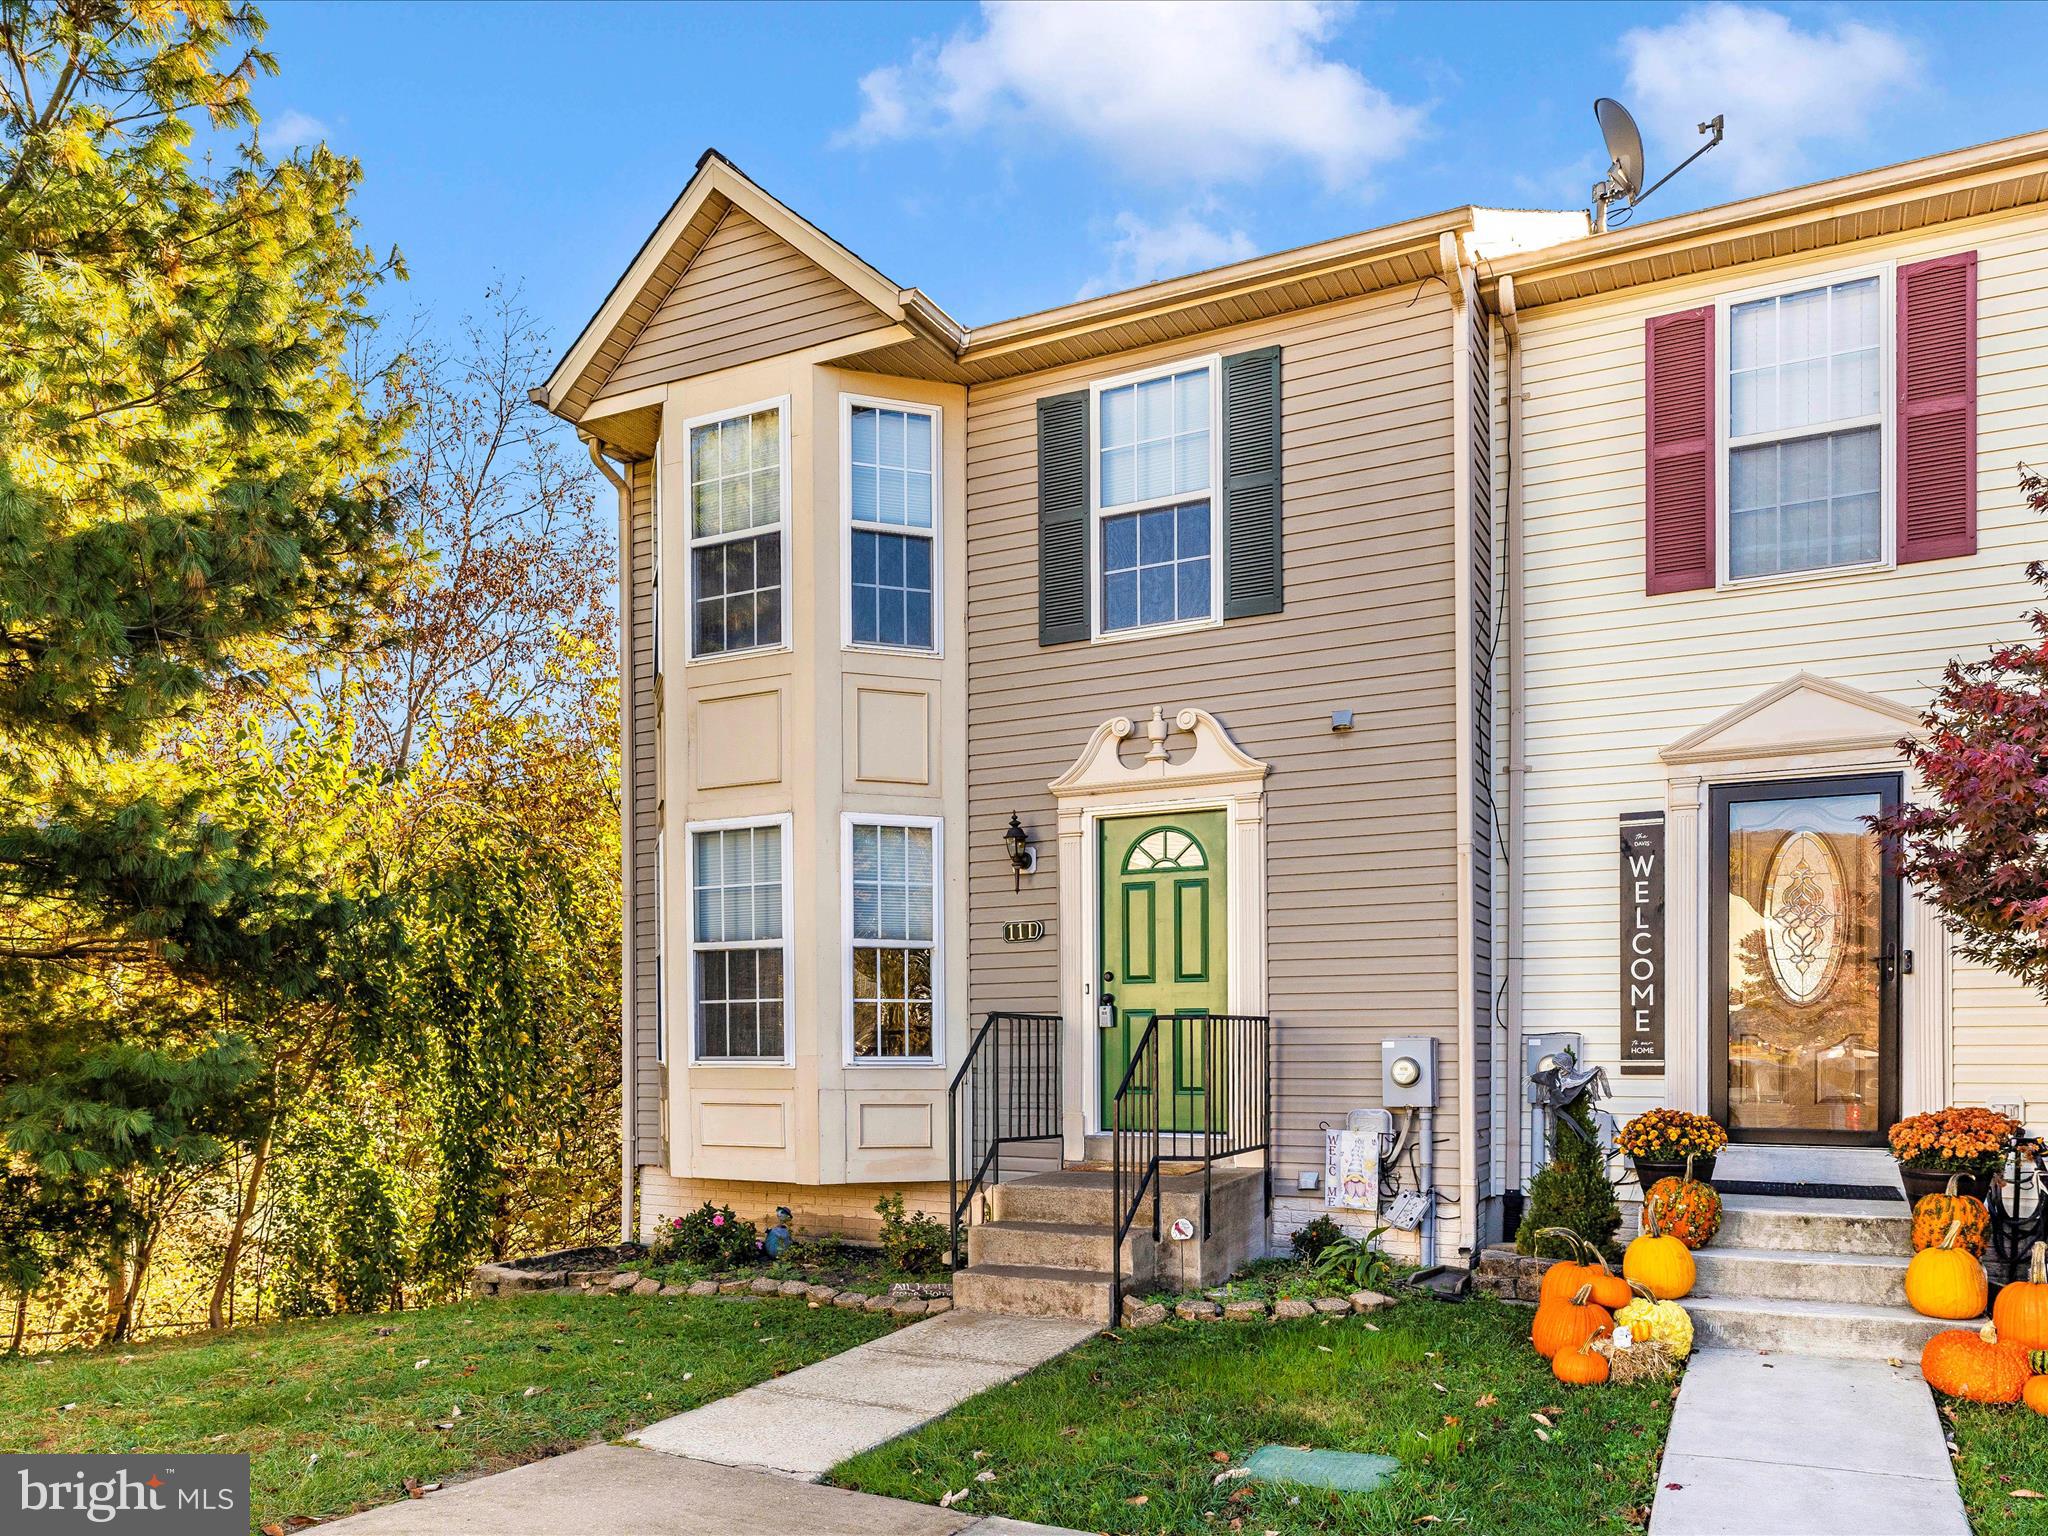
(1624, 146)
(1624, 179)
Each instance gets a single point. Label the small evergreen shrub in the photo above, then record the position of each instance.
(711, 1236)
(1572, 1190)
(1310, 1241)
(917, 1245)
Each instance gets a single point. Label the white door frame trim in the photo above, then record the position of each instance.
(1191, 764)
(1863, 742)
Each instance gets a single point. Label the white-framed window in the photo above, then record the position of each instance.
(739, 523)
(660, 944)
(893, 904)
(740, 920)
(1152, 477)
(891, 501)
(1806, 423)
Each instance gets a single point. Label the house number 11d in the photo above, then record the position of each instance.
(1023, 933)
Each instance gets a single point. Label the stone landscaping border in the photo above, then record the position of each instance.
(1201, 1309)
(1509, 1275)
(902, 1299)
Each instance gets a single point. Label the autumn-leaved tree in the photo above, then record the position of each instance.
(192, 502)
(1975, 839)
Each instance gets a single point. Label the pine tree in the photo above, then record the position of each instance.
(1572, 1190)
(192, 501)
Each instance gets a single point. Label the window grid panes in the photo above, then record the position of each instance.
(893, 887)
(1805, 403)
(892, 485)
(737, 939)
(1156, 567)
(736, 572)
(1155, 528)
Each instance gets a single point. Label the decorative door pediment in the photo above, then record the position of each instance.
(1192, 750)
(1803, 714)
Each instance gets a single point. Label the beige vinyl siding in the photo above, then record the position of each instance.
(1479, 539)
(748, 295)
(645, 794)
(1614, 676)
(1361, 877)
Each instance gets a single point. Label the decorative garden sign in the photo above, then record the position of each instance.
(1642, 943)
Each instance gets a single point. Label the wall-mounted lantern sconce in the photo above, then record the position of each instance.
(1023, 857)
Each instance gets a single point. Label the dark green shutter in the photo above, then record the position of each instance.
(1063, 519)
(1251, 483)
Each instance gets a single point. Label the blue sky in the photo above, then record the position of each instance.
(1010, 157)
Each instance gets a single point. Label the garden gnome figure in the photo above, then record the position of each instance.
(778, 1235)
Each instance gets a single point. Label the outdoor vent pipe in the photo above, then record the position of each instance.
(629, 1151)
(1428, 1181)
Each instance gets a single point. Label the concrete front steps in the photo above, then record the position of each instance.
(1046, 1249)
(1812, 1277)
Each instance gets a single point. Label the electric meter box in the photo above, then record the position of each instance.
(1408, 1072)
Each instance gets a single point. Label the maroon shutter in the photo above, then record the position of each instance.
(1679, 451)
(1938, 408)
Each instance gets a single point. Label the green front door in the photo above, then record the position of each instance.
(1164, 948)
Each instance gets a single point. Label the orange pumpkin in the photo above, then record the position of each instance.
(1686, 1208)
(2035, 1394)
(1609, 1289)
(1947, 1281)
(1931, 1218)
(1658, 1262)
(2021, 1311)
(1581, 1367)
(1975, 1364)
(1562, 1280)
(1565, 1325)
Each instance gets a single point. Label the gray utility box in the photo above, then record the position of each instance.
(1408, 1072)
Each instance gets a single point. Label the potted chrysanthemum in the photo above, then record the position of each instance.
(1661, 1141)
(1962, 1142)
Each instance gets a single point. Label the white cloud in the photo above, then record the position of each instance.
(292, 129)
(1144, 252)
(1784, 88)
(1189, 92)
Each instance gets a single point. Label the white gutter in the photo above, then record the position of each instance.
(1510, 840)
(628, 1061)
(1457, 276)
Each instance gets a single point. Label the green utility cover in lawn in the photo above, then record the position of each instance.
(1345, 1471)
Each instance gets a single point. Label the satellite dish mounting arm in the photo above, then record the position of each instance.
(1616, 184)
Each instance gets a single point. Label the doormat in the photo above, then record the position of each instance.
(1807, 1191)
(1344, 1471)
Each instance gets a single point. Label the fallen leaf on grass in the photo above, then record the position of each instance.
(1440, 1387)
(272, 1529)
(2025, 1493)
(980, 1455)
(1326, 1349)
(1142, 1498)
(984, 1476)
(421, 1364)
(1541, 1419)
(1484, 1400)
(533, 1392)
(1543, 1435)
(1219, 1455)
(948, 1500)
(1226, 1476)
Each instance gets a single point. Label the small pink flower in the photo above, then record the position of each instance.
(718, 1221)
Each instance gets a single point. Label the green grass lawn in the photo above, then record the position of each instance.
(337, 1414)
(2004, 1460)
(1129, 1432)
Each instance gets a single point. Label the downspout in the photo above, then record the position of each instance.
(629, 1150)
(1517, 769)
(1457, 278)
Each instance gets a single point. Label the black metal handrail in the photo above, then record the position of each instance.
(1134, 1115)
(1222, 1110)
(1007, 1090)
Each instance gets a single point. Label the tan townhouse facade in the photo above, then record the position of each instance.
(1124, 668)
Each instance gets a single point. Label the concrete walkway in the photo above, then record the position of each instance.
(620, 1490)
(1791, 1445)
(806, 1423)
(751, 1462)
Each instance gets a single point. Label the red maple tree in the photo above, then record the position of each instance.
(1976, 842)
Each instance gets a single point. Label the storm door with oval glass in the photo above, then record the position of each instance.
(1804, 961)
